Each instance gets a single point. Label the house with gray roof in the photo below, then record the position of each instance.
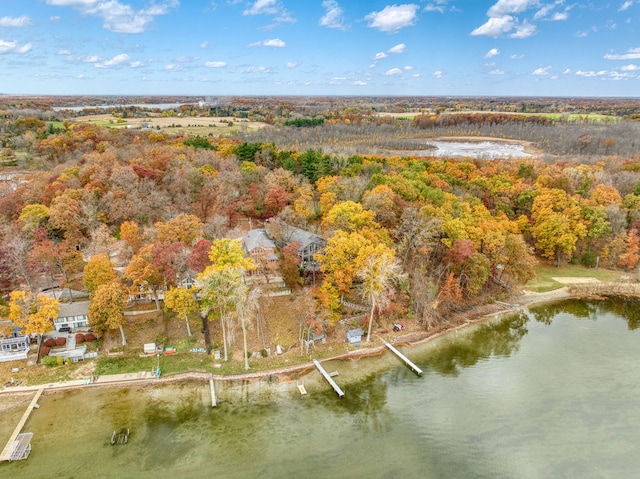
(74, 315)
(261, 249)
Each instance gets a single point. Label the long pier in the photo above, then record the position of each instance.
(407, 361)
(214, 401)
(329, 379)
(5, 455)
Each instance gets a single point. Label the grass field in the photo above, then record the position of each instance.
(203, 126)
(545, 274)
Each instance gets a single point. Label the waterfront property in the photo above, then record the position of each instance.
(72, 315)
(14, 349)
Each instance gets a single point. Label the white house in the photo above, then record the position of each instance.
(73, 315)
(13, 348)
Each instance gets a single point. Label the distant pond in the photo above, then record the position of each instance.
(476, 149)
(552, 391)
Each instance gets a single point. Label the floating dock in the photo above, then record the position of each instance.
(329, 379)
(7, 453)
(407, 361)
(214, 401)
(120, 438)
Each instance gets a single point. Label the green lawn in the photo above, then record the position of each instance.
(545, 273)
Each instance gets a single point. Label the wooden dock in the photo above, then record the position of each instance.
(329, 379)
(407, 361)
(214, 401)
(5, 455)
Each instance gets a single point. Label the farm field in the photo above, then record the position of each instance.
(180, 125)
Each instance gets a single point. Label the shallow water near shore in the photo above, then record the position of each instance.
(550, 392)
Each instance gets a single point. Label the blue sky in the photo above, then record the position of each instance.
(320, 47)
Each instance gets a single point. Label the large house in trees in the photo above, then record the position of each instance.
(261, 249)
(310, 244)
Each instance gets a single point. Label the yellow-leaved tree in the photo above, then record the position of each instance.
(33, 315)
(222, 286)
(182, 302)
(106, 310)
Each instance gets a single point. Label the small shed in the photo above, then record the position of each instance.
(149, 348)
(354, 335)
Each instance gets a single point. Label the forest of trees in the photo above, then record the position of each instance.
(406, 234)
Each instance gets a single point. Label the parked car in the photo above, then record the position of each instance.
(65, 328)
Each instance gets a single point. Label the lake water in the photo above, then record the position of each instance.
(481, 149)
(551, 392)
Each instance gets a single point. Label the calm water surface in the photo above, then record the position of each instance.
(552, 392)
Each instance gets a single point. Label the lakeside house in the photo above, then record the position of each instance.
(14, 347)
(308, 244)
(261, 249)
(73, 315)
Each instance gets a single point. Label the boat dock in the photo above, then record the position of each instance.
(214, 401)
(7, 452)
(120, 438)
(407, 361)
(329, 379)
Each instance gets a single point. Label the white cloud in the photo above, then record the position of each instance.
(399, 48)
(437, 74)
(495, 26)
(506, 7)
(502, 20)
(217, 64)
(524, 31)
(492, 53)
(393, 18)
(380, 56)
(256, 70)
(136, 64)
(91, 59)
(567, 71)
(270, 7)
(408, 68)
(262, 7)
(63, 52)
(204, 44)
(114, 62)
(415, 75)
(542, 71)
(14, 47)
(625, 5)
(560, 16)
(516, 57)
(360, 83)
(333, 16)
(118, 17)
(436, 6)
(22, 21)
(292, 64)
(632, 54)
(392, 72)
(592, 73)
(496, 72)
(272, 42)
(630, 68)
(173, 68)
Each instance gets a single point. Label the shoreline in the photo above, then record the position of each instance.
(288, 372)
